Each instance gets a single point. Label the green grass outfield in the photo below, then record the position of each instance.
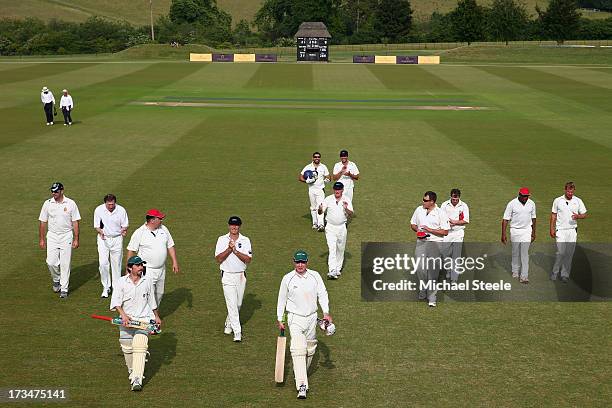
(547, 124)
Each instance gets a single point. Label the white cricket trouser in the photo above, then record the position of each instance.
(158, 276)
(348, 192)
(566, 245)
(451, 248)
(336, 242)
(316, 195)
(428, 269)
(234, 285)
(59, 253)
(521, 239)
(110, 248)
(303, 333)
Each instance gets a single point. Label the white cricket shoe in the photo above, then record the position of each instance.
(302, 392)
(51, 123)
(136, 384)
(227, 330)
(104, 293)
(65, 124)
(70, 123)
(237, 337)
(48, 123)
(431, 304)
(315, 226)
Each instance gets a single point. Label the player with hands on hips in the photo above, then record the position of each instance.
(134, 299)
(337, 209)
(315, 175)
(300, 289)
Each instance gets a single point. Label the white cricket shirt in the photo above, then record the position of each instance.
(435, 219)
(335, 209)
(47, 97)
(344, 179)
(151, 246)
(136, 299)
(66, 101)
(110, 222)
(564, 209)
(321, 171)
(59, 215)
(233, 264)
(453, 211)
(520, 215)
(299, 293)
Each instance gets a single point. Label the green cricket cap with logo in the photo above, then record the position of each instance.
(136, 260)
(300, 255)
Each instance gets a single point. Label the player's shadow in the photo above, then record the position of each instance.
(163, 350)
(322, 358)
(173, 300)
(250, 304)
(82, 274)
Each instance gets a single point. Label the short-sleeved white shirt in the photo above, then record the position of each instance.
(66, 101)
(59, 215)
(136, 300)
(233, 264)
(151, 246)
(344, 179)
(321, 171)
(453, 212)
(564, 209)
(520, 215)
(110, 222)
(299, 294)
(435, 219)
(335, 209)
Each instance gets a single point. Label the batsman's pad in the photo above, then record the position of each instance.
(126, 347)
(311, 347)
(140, 345)
(298, 355)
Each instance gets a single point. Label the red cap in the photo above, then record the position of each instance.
(524, 191)
(421, 234)
(154, 212)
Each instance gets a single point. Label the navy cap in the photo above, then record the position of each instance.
(136, 260)
(57, 186)
(338, 186)
(343, 153)
(234, 220)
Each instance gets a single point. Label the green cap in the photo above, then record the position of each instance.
(300, 255)
(135, 260)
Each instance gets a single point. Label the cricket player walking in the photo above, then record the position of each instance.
(346, 172)
(153, 243)
(431, 226)
(458, 214)
(318, 176)
(134, 299)
(521, 214)
(298, 294)
(566, 210)
(233, 252)
(338, 208)
(111, 223)
(59, 218)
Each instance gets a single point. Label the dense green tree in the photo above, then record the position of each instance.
(393, 19)
(467, 21)
(560, 20)
(507, 20)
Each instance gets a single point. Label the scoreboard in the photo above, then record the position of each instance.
(312, 49)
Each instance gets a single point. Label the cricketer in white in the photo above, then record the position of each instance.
(298, 294)
(134, 299)
(233, 252)
(316, 186)
(337, 209)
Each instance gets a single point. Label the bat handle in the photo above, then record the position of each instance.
(282, 332)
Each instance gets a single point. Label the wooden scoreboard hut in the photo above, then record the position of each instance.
(312, 42)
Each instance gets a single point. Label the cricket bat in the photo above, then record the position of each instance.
(150, 326)
(281, 344)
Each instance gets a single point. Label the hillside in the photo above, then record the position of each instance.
(137, 11)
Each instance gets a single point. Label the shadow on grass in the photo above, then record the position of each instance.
(163, 351)
(82, 274)
(250, 304)
(173, 300)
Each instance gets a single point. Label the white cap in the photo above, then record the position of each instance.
(64, 90)
(45, 89)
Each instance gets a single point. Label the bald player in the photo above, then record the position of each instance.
(59, 225)
(566, 211)
(520, 213)
(134, 299)
(298, 294)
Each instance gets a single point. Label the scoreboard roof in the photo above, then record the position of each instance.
(312, 29)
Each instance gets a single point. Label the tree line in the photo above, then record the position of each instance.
(349, 22)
